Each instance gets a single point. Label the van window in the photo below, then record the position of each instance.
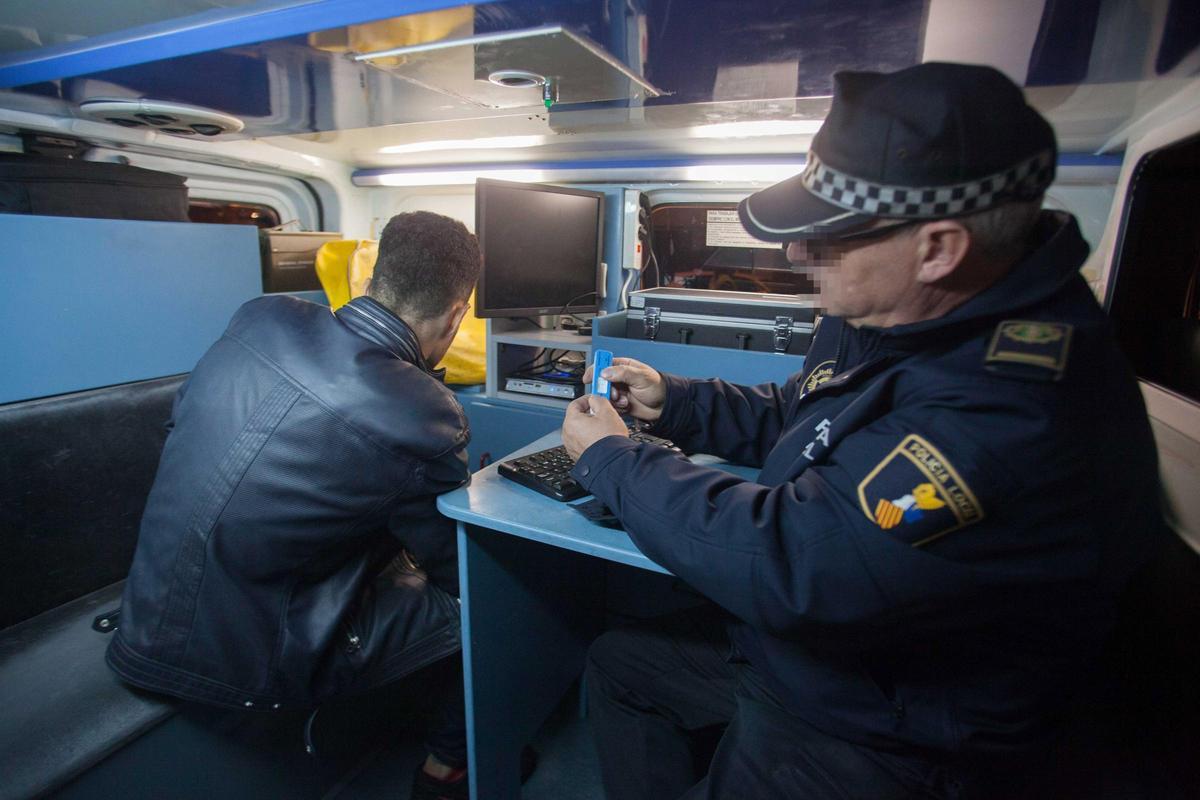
(1155, 298)
(229, 213)
(704, 246)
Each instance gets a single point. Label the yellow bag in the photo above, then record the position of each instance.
(344, 269)
(333, 260)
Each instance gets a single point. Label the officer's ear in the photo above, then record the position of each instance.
(941, 247)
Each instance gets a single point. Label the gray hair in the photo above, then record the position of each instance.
(1002, 233)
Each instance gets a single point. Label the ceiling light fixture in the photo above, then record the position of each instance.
(753, 128)
(516, 79)
(742, 173)
(458, 177)
(483, 143)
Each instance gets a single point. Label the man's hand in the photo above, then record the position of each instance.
(637, 389)
(589, 419)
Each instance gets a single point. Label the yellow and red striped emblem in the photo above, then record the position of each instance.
(888, 514)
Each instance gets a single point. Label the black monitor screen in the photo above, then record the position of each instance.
(541, 248)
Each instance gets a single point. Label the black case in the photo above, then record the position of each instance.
(289, 259)
(67, 187)
(778, 323)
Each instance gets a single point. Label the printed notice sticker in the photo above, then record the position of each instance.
(724, 229)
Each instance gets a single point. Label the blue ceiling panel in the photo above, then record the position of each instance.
(692, 44)
(268, 20)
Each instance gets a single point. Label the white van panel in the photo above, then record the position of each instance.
(1176, 424)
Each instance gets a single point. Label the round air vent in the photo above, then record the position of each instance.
(516, 79)
(176, 119)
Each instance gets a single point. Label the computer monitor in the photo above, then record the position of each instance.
(541, 248)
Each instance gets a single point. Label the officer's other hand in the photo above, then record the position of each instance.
(637, 389)
(589, 419)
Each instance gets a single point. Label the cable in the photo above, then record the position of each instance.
(657, 272)
(625, 287)
(551, 362)
(541, 352)
(567, 304)
(644, 227)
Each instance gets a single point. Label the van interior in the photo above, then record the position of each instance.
(268, 128)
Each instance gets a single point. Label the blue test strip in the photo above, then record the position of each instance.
(601, 386)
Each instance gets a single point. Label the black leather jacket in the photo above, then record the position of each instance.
(307, 449)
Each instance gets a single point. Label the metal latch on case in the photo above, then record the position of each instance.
(783, 334)
(650, 322)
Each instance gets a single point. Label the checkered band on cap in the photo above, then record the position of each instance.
(1027, 179)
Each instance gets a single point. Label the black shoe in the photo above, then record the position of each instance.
(427, 787)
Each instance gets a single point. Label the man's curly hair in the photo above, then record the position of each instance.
(427, 262)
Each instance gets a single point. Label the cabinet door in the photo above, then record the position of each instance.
(499, 428)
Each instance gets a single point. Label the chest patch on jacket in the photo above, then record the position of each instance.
(821, 373)
(916, 494)
(1042, 346)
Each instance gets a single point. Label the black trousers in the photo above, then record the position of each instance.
(435, 690)
(660, 695)
(446, 736)
(439, 689)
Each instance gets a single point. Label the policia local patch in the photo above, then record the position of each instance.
(915, 494)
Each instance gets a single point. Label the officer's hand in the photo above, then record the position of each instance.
(589, 419)
(637, 389)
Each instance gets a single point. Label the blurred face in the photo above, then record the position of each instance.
(861, 279)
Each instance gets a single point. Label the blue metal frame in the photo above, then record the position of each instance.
(197, 33)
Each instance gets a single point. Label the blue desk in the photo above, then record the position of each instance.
(529, 610)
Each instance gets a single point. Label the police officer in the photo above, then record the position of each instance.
(952, 493)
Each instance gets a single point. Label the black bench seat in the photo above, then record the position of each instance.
(73, 483)
(64, 710)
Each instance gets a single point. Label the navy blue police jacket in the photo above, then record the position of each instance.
(945, 515)
(306, 451)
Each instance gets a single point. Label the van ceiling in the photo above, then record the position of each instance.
(28, 26)
(1090, 65)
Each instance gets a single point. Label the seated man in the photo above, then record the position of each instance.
(290, 549)
(952, 494)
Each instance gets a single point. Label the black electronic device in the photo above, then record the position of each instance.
(548, 471)
(541, 248)
(289, 259)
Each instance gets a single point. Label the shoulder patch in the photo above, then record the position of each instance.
(917, 495)
(1037, 349)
